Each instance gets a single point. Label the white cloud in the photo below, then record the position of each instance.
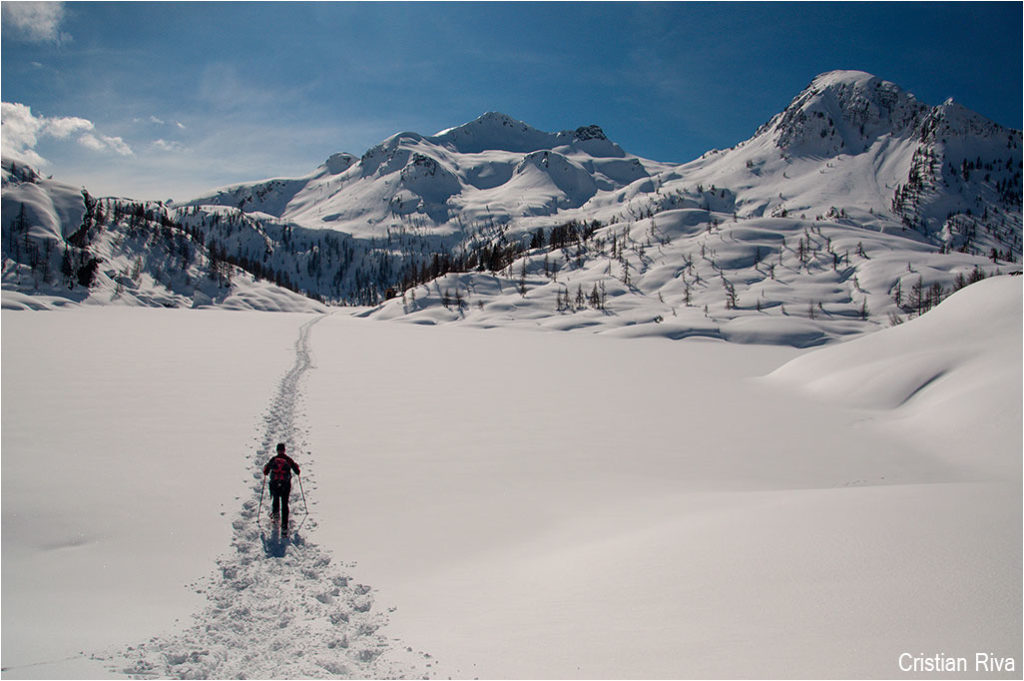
(164, 145)
(118, 145)
(37, 22)
(156, 120)
(62, 128)
(22, 131)
(105, 143)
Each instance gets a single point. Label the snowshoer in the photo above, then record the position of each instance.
(280, 468)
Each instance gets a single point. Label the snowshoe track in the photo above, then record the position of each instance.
(291, 613)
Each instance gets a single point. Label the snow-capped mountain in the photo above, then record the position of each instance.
(853, 142)
(855, 207)
(492, 166)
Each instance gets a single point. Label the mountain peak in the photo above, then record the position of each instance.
(339, 163)
(497, 131)
(493, 130)
(841, 112)
(488, 119)
(843, 77)
(499, 118)
(589, 132)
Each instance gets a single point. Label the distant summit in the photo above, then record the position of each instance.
(495, 131)
(492, 165)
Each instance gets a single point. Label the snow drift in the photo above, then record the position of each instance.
(938, 379)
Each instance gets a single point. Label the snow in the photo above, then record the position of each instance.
(807, 481)
(495, 131)
(493, 165)
(932, 377)
(136, 266)
(542, 505)
(847, 141)
(122, 433)
(53, 209)
(815, 229)
(801, 235)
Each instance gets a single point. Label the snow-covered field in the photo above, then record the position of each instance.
(523, 504)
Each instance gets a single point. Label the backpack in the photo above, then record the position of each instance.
(280, 471)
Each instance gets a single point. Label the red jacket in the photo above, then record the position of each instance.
(292, 466)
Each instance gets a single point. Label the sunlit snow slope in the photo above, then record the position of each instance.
(855, 208)
(534, 505)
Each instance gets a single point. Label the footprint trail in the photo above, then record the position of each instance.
(292, 613)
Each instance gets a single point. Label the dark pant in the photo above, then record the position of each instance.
(280, 492)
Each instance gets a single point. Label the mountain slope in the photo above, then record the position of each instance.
(854, 208)
(61, 246)
(921, 372)
(856, 147)
(493, 165)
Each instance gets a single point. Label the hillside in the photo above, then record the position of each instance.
(62, 246)
(855, 208)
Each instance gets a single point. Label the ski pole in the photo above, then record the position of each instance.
(305, 506)
(259, 512)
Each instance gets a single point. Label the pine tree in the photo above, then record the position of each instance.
(67, 269)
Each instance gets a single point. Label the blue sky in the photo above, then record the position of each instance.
(158, 100)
